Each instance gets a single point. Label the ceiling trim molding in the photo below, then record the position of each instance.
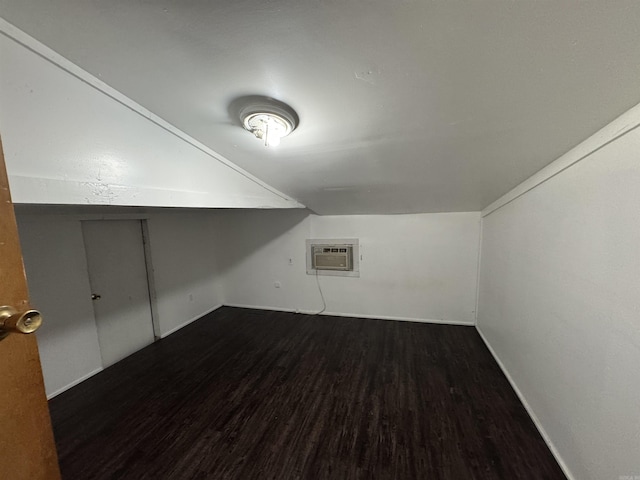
(625, 123)
(14, 33)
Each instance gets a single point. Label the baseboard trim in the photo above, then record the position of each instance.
(191, 320)
(98, 370)
(528, 408)
(353, 315)
(74, 383)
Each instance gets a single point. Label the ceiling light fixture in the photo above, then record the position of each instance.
(269, 121)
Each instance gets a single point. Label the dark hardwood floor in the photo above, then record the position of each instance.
(245, 394)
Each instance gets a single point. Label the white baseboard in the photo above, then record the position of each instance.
(98, 370)
(528, 408)
(191, 320)
(74, 383)
(354, 315)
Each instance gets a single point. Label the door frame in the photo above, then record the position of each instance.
(148, 260)
(151, 282)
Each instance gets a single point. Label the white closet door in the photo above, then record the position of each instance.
(120, 287)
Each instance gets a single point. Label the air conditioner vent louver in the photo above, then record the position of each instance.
(333, 257)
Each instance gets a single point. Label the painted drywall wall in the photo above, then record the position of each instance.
(185, 278)
(559, 302)
(184, 256)
(413, 267)
(70, 139)
(255, 250)
(56, 266)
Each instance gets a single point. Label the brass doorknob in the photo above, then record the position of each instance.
(12, 321)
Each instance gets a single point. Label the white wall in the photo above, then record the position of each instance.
(186, 283)
(413, 267)
(70, 139)
(202, 259)
(559, 301)
(53, 252)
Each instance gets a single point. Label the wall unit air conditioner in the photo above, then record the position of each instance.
(338, 257)
(333, 257)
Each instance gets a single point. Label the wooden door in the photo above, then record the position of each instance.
(120, 287)
(27, 449)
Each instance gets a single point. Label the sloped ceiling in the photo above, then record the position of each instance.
(405, 106)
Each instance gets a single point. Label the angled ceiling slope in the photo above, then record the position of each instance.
(404, 106)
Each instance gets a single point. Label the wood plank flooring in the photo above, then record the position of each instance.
(245, 394)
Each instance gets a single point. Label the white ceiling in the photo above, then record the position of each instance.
(405, 106)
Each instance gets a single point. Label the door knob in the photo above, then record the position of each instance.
(12, 321)
(95, 296)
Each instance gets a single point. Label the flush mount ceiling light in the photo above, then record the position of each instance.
(269, 121)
